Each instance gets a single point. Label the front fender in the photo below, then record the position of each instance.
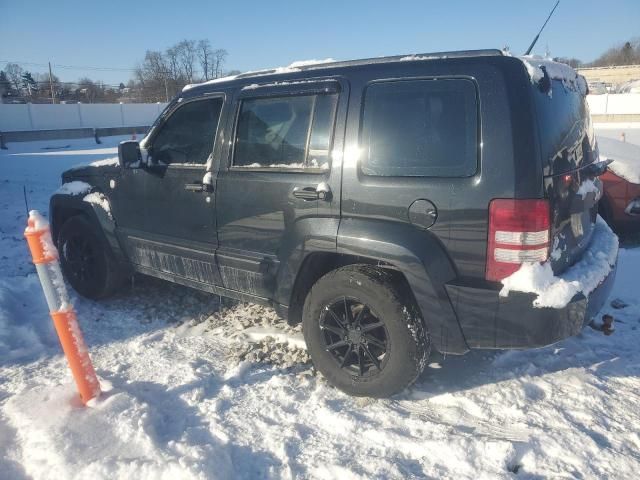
(62, 206)
(420, 256)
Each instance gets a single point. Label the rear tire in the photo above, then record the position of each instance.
(364, 332)
(87, 264)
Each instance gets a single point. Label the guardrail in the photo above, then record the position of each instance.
(69, 133)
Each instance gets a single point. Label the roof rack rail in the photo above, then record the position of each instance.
(388, 59)
(410, 57)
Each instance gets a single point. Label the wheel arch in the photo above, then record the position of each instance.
(418, 258)
(64, 206)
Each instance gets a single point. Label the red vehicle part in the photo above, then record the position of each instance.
(620, 204)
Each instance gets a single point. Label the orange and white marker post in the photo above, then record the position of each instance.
(45, 258)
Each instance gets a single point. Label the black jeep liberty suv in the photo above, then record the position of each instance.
(379, 202)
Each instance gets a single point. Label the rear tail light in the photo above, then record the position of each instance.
(518, 233)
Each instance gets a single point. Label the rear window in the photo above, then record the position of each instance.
(563, 122)
(420, 128)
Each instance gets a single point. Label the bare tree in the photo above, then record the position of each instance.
(14, 73)
(162, 74)
(88, 89)
(187, 56)
(627, 53)
(205, 55)
(172, 56)
(219, 57)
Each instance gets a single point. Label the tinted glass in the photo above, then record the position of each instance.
(188, 134)
(275, 132)
(563, 120)
(322, 131)
(420, 128)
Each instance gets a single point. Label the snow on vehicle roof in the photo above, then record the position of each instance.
(537, 65)
(300, 64)
(293, 67)
(625, 156)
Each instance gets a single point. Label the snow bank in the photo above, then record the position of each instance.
(625, 156)
(121, 436)
(582, 277)
(556, 71)
(20, 338)
(76, 187)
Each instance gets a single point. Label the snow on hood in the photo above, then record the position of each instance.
(536, 65)
(106, 162)
(625, 156)
(582, 277)
(293, 67)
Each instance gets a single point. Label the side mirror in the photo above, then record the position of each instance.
(129, 154)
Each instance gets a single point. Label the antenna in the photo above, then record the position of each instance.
(541, 28)
(26, 203)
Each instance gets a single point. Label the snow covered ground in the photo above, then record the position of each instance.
(204, 388)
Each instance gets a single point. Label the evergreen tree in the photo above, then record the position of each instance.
(5, 85)
(29, 83)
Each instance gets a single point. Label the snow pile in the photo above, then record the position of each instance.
(107, 162)
(556, 71)
(75, 187)
(117, 438)
(98, 198)
(20, 338)
(625, 156)
(582, 277)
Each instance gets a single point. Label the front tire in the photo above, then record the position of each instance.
(86, 262)
(363, 331)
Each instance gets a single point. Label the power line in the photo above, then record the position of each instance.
(77, 67)
(72, 67)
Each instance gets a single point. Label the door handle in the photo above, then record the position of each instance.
(320, 192)
(198, 187)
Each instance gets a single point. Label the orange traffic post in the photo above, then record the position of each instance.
(45, 258)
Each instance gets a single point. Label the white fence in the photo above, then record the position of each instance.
(24, 117)
(614, 104)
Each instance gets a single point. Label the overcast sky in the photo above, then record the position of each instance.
(260, 34)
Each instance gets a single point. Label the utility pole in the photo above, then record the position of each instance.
(53, 98)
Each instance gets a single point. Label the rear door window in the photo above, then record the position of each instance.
(420, 128)
(292, 132)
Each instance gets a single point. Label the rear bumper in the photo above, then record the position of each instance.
(491, 321)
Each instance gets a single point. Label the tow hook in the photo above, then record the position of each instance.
(606, 326)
